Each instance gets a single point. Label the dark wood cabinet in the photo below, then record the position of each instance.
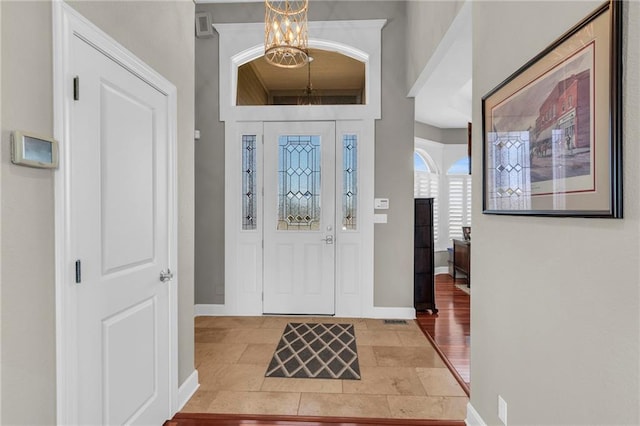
(424, 295)
(462, 259)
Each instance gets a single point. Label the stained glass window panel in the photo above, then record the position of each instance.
(350, 182)
(299, 176)
(249, 202)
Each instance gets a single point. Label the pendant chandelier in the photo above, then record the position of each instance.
(310, 95)
(286, 35)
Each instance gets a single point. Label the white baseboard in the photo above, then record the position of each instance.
(392, 313)
(383, 313)
(187, 389)
(473, 418)
(442, 270)
(210, 310)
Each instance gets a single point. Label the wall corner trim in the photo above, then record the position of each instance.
(473, 418)
(187, 389)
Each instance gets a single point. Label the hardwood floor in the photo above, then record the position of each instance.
(449, 330)
(190, 419)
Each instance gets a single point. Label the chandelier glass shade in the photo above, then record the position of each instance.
(286, 34)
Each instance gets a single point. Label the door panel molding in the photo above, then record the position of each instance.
(68, 25)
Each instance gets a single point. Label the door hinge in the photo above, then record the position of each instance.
(263, 296)
(263, 244)
(76, 88)
(78, 272)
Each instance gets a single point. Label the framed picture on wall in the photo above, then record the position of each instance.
(552, 131)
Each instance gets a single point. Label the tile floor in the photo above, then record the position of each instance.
(402, 375)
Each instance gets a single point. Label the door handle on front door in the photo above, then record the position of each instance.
(329, 239)
(166, 275)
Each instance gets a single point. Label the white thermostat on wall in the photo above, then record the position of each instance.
(28, 149)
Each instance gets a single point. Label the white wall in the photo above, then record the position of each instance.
(160, 33)
(555, 310)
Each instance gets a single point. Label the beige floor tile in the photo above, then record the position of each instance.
(280, 384)
(366, 357)
(413, 338)
(199, 402)
(282, 403)
(389, 356)
(253, 335)
(385, 381)
(228, 322)
(257, 353)
(208, 373)
(377, 338)
(315, 404)
(402, 375)
(210, 335)
(222, 353)
(236, 377)
(439, 382)
(378, 324)
(428, 407)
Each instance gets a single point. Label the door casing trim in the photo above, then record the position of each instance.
(68, 23)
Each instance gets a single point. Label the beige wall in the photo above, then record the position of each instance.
(28, 303)
(160, 33)
(555, 307)
(394, 151)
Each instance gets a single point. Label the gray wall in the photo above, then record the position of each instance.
(394, 151)
(436, 134)
(27, 240)
(427, 23)
(555, 320)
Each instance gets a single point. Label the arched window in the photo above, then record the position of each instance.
(459, 188)
(426, 184)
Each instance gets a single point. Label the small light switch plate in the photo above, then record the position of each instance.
(381, 203)
(196, 135)
(379, 218)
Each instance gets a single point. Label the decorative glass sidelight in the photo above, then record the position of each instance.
(299, 183)
(249, 203)
(350, 182)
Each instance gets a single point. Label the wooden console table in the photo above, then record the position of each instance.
(462, 259)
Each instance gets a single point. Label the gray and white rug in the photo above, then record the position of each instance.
(310, 350)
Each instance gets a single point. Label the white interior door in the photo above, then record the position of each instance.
(299, 218)
(119, 232)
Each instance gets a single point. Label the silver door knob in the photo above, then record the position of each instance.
(329, 239)
(166, 275)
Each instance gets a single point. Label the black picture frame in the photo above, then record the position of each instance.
(552, 131)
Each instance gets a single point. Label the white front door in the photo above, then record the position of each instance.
(299, 218)
(119, 233)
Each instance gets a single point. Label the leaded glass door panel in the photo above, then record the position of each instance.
(299, 218)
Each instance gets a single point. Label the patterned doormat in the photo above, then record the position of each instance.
(316, 351)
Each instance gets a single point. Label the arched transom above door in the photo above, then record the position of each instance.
(353, 44)
(329, 78)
